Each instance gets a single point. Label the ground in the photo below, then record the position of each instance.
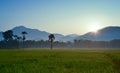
(59, 61)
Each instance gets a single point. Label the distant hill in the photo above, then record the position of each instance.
(105, 34)
(70, 37)
(34, 34)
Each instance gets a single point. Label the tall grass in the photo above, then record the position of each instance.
(59, 61)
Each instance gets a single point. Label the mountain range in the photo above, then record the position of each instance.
(105, 34)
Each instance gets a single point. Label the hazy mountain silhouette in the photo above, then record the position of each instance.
(69, 37)
(34, 34)
(73, 35)
(105, 34)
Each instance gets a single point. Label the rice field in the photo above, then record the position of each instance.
(59, 61)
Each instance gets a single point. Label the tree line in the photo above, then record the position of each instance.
(15, 41)
(12, 41)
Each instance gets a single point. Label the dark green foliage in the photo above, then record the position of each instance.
(8, 41)
(8, 35)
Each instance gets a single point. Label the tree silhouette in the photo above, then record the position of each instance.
(51, 39)
(24, 33)
(15, 36)
(8, 35)
(23, 38)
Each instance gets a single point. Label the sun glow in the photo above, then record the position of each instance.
(94, 27)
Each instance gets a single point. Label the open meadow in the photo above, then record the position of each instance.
(59, 61)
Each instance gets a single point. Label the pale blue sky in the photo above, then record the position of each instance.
(59, 16)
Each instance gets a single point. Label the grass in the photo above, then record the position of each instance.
(59, 61)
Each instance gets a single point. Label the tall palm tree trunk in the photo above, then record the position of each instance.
(51, 39)
(51, 46)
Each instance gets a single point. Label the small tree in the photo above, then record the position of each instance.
(24, 33)
(51, 39)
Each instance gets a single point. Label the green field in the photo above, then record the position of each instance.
(59, 61)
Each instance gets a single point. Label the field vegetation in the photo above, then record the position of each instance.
(59, 61)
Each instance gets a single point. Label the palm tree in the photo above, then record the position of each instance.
(51, 39)
(24, 33)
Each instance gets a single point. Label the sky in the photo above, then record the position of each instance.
(60, 16)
